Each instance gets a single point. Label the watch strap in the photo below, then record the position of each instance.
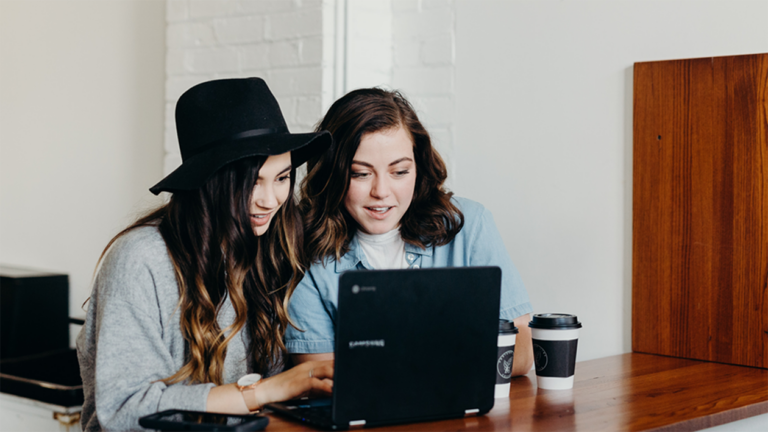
(249, 396)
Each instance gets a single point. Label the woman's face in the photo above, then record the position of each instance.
(382, 180)
(271, 190)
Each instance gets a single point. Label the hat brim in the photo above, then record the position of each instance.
(198, 169)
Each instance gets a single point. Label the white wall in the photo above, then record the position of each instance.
(406, 45)
(543, 135)
(530, 101)
(81, 129)
(424, 67)
(289, 43)
(368, 37)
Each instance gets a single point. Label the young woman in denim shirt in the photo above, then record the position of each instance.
(376, 200)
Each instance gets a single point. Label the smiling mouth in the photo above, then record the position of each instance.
(380, 210)
(260, 219)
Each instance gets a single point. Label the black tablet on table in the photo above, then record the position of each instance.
(179, 420)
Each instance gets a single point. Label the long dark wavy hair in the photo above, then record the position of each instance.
(431, 220)
(215, 255)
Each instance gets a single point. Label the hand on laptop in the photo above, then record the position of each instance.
(315, 377)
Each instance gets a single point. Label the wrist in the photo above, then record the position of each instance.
(248, 386)
(261, 393)
(251, 403)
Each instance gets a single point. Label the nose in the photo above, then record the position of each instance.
(380, 187)
(265, 197)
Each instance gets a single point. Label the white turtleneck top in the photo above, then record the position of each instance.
(384, 251)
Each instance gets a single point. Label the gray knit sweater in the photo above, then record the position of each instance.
(132, 338)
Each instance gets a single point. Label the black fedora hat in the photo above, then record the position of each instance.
(221, 121)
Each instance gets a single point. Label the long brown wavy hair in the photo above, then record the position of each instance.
(431, 220)
(216, 255)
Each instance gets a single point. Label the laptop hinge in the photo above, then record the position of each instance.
(469, 412)
(357, 423)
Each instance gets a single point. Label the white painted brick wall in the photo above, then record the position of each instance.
(369, 43)
(311, 52)
(294, 24)
(212, 8)
(405, 5)
(423, 22)
(407, 45)
(236, 30)
(438, 50)
(281, 41)
(423, 66)
(423, 80)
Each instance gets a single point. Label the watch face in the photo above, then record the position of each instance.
(248, 380)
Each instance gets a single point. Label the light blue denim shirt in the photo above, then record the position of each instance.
(313, 305)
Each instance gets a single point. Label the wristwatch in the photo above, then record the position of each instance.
(247, 386)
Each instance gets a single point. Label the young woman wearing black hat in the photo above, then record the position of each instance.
(376, 201)
(188, 308)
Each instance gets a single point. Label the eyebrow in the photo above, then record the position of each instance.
(402, 159)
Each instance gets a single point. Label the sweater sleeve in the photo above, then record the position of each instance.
(131, 341)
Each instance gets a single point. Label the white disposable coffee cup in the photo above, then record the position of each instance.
(555, 340)
(505, 358)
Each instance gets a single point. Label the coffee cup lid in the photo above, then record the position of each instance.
(555, 321)
(506, 326)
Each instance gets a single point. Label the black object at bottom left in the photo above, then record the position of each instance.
(179, 420)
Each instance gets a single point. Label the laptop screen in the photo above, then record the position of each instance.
(415, 344)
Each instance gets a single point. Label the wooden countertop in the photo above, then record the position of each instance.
(630, 392)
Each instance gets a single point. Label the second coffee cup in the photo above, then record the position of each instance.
(506, 355)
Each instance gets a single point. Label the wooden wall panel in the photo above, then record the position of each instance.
(700, 209)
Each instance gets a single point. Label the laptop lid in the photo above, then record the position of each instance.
(414, 345)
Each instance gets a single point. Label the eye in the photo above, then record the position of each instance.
(360, 175)
(283, 179)
(401, 173)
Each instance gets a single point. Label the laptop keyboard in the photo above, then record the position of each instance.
(313, 411)
(322, 413)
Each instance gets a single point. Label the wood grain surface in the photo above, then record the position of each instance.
(700, 209)
(629, 392)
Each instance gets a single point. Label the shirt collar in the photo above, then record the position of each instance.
(409, 248)
(355, 255)
(350, 259)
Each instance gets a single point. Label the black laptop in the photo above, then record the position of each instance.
(411, 345)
